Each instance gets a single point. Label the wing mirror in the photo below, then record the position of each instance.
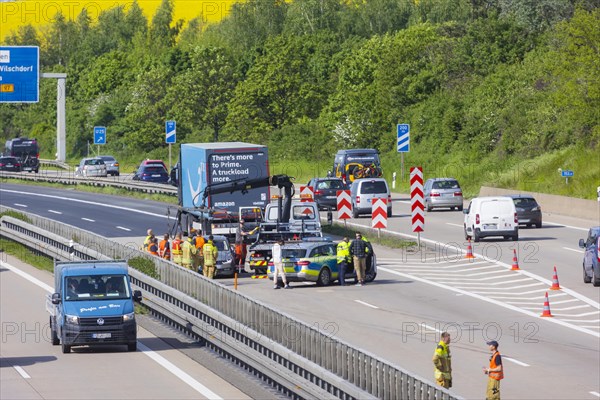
(55, 298)
(581, 243)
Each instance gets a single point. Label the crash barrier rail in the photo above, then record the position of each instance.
(300, 360)
(67, 178)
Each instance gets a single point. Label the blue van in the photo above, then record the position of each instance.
(92, 305)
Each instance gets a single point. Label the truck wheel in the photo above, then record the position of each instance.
(324, 278)
(586, 279)
(66, 349)
(53, 335)
(132, 346)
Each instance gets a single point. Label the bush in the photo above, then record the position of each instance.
(145, 266)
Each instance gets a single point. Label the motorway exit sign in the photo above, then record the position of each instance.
(403, 138)
(99, 135)
(567, 173)
(19, 74)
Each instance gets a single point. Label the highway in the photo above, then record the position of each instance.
(399, 316)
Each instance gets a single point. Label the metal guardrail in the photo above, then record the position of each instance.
(69, 179)
(300, 360)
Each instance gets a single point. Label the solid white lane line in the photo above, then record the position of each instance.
(87, 219)
(575, 250)
(122, 228)
(595, 394)
(178, 372)
(578, 315)
(459, 225)
(25, 275)
(487, 288)
(581, 320)
(521, 363)
(22, 372)
(570, 308)
(566, 226)
(54, 212)
(366, 304)
(20, 205)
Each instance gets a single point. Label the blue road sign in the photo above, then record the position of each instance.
(403, 138)
(567, 173)
(171, 132)
(99, 135)
(19, 74)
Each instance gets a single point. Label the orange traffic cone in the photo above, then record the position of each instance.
(469, 251)
(546, 312)
(515, 264)
(555, 284)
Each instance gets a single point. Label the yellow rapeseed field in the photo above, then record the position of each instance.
(39, 13)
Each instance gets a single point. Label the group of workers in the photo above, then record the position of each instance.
(191, 251)
(353, 253)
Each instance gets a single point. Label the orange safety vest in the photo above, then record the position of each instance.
(163, 249)
(199, 242)
(497, 375)
(153, 249)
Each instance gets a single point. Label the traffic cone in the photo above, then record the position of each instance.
(469, 251)
(546, 312)
(515, 264)
(555, 284)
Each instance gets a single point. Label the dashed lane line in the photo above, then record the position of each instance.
(55, 212)
(123, 228)
(20, 205)
(366, 304)
(87, 219)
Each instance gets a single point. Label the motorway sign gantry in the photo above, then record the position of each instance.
(99, 135)
(19, 74)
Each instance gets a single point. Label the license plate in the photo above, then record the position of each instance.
(156, 176)
(330, 197)
(101, 335)
(490, 226)
(447, 194)
(9, 165)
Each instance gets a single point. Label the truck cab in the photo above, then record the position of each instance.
(93, 304)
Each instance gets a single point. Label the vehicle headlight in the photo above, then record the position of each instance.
(129, 317)
(72, 319)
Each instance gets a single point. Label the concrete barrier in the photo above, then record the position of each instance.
(553, 204)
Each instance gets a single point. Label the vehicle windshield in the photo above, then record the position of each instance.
(373, 187)
(302, 212)
(333, 184)
(526, 202)
(155, 170)
(94, 161)
(96, 287)
(293, 253)
(107, 158)
(445, 185)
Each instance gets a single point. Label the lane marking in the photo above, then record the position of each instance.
(575, 250)
(20, 205)
(87, 219)
(450, 223)
(565, 226)
(54, 212)
(366, 304)
(521, 363)
(22, 372)
(595, 394)
(200, 388)
(125, 229)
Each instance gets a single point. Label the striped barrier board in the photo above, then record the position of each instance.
(379, 214)
(307, 194)
(344, 204)
(417, 204)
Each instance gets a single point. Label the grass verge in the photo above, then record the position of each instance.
(386, 240)
(26, 255)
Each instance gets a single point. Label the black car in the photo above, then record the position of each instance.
(151, 173)
(10, 164)
(529, 211)
(325, 191)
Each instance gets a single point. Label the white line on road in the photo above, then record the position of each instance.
(178, 372)
(20, 205)
(87, 219)
(521, 363)
(450, 223)
(25, 275)
(54, 212)
(22, 372)
(595, 394)
(125, 229)
(575, 250)
(366, 304)
(565, 226)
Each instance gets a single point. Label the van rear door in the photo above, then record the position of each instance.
(497, 214)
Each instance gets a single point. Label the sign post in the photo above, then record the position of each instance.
(403, 144)
(170, 136)
(99, 137)
(567, 173)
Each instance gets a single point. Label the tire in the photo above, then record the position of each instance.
(66, 349)
(324, 278)
(53, 335)
(586, 279)
(354, 213)
(538, 225)
(460, 208)
(596, 282)
(132, 346)
(467, 237)
(529, 225)
(428, 207)
(389, 212)
(476, 237)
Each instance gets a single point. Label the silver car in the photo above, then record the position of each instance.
(442, 193)
(225, 258)
(91, 167)
(112, 165)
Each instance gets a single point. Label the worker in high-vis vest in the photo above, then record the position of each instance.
(343, 259)
(164, 247)
(147, 240)
(442, 362)
(198, 242)
(176, 249)
(153, 246)
(188, 252)
(211, 253)
(495, 372)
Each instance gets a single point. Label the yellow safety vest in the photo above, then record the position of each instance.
(343, 251)
(210, 254)
(442, 361)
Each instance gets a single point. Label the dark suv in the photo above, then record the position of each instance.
(325, 191)
(529, 211)
(591, 257)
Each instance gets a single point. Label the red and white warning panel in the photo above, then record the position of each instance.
(344, 204)
(379, 213)
(417, 205)
(307, 193)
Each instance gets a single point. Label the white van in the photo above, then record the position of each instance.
(363, 191)
(491, 216)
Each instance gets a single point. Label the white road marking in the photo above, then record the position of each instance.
(178, 372)
(20, 205)
(87, 219)
(521, 363)
(431, 328)
(595, 394)
(566, 226)
(575, 250)
(22, 372)
(200, 388)
(125, 229)
(450, 223)
(578, 315)
(54, 212)
(366, 304)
